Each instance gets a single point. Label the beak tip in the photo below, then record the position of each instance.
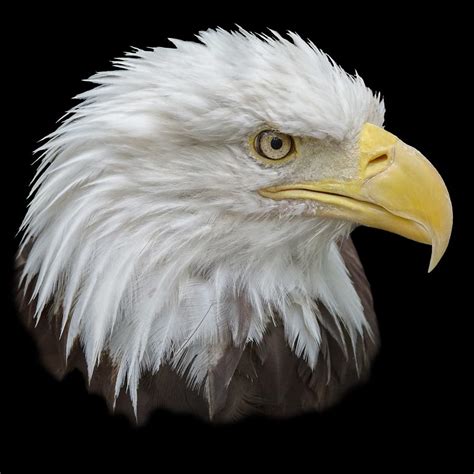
(434, 259)
(437, 252)
(432, 266)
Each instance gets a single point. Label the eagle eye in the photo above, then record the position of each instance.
(273, 145)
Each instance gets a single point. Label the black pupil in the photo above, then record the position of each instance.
(276, 143)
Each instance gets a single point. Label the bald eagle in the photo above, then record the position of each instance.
(187, 239)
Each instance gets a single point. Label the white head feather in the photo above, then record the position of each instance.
(146, 226)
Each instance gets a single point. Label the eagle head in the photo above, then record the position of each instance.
(197, 200)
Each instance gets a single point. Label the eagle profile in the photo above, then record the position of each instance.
(187, 239)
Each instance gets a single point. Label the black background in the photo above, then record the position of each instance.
(413, 408)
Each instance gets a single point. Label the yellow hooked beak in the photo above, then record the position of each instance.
(397, 189)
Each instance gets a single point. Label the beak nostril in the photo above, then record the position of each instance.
(378, 159)
(376, 165)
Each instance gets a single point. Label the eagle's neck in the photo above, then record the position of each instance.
(169, 290)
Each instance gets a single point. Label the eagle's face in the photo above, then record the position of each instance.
(192, 176)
